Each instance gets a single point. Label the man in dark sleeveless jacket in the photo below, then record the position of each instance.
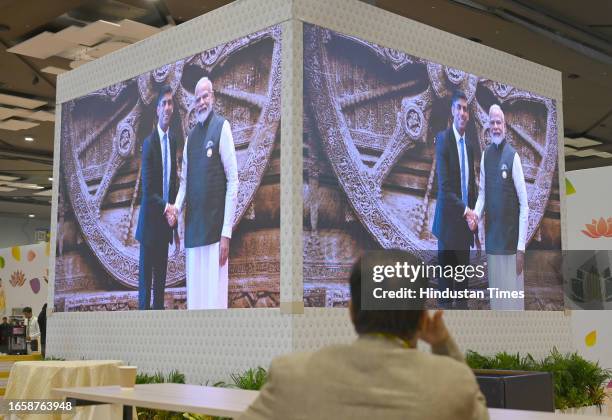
(208, 191)
(503, 199)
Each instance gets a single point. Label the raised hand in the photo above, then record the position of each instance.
(434, 329)
(171, 215)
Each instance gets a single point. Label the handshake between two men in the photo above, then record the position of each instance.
(171, 214)
(472, 219)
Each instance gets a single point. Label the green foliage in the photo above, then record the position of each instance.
(501, 361)
(174, 377)
(252, 379)
(577, 382)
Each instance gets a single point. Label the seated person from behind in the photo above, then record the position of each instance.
(381, 375)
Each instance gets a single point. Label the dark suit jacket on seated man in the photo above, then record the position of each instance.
(456, 197)
(381, 375)
(156, 225)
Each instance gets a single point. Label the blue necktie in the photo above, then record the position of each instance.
(165, 166)
(464, 193)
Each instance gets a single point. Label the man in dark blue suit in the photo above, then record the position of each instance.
(156, 222)
(456, 198)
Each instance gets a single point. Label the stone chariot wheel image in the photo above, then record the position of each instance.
(102, 135)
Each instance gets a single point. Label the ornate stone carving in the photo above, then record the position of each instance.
(101, 142)
(375, 121)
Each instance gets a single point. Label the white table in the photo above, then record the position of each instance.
(35, 379)
(223, 402)
(183, 398)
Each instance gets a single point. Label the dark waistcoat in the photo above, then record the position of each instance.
(501, 201)
(206, 184)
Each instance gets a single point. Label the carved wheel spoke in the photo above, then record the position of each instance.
(528, 139)
(249, 98)
(354, 100)
(398, 143)
(114, 163)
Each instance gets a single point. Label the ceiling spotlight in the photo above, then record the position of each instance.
(29, 138)
(50, 178)
(31, 216)
(573, 76)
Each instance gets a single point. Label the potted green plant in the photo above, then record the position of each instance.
(579, 384)
(251, 379)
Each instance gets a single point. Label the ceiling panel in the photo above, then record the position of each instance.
(43, 45)
(16, 125)
(21, 102)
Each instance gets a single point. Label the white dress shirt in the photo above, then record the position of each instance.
(227, 152)
(166, 163)
(464, 165)
(32, 328)
(521, 192)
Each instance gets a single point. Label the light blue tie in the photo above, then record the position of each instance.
(464, 193)
(165, 165)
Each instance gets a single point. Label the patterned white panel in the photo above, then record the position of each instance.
(209, 345)
(486, 332)
(394, 31)
(204, 345)
(561, 161)
(199, 34)
(292, 289)
(54, 203)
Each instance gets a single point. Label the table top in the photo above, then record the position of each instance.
(501, 414)
(227, 402)
(68, 363)
(20, 357)
(224, 402)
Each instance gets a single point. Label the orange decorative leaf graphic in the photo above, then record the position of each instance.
(599, 228)
(31, 255)
(591, 338)
(17, 279)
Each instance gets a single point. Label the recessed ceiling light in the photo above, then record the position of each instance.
(31, 216)
(50, 178)
(29, 139)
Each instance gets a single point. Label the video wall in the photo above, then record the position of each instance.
(169, 192)
(382, 168)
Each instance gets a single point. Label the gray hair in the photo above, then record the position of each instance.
(497, 108)
(202, 81)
